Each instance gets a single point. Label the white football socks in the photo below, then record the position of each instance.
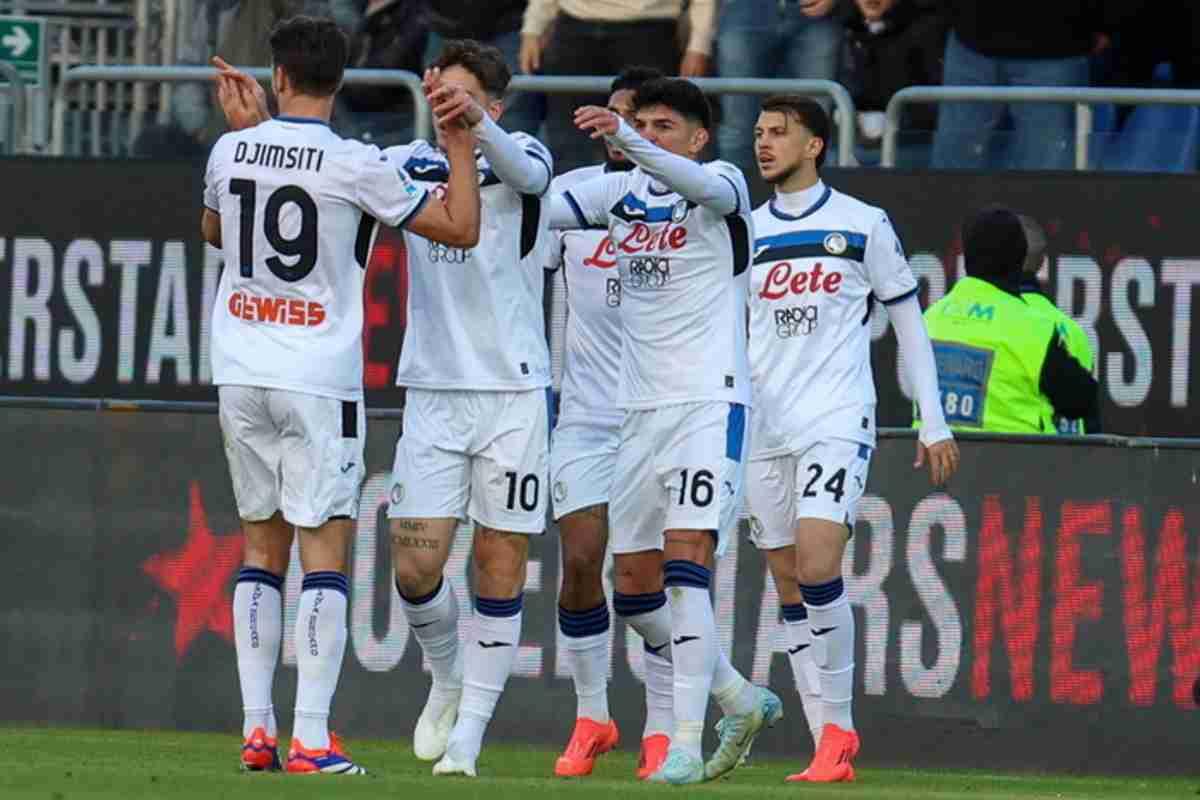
(649, 615)
(433, 620)
(694, 649)
(831, 625)
(733, 693)
(258, 632)
(320, 645)
(585, 634)
(490, 658)
(804, 669)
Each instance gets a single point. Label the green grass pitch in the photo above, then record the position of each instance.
(63, 764)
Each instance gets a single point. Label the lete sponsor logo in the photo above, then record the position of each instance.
(783, 279)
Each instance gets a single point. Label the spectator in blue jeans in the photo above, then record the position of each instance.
(769, 39)
(1016, 43)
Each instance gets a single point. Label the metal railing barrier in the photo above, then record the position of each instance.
(16, 92)
(844, 105)
(354, 77)
(1083, 98)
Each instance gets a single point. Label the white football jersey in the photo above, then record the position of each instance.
(684, 274)
(298, 207)
(815, 278)
(475, 317)
(592, 346)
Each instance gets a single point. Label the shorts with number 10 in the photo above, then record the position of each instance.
(474, 455)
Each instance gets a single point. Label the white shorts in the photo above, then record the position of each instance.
(678, 468)
(823, 480)
(476, 455)
(292, 452)
(583, 460)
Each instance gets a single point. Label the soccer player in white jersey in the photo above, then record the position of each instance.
(476, 424)
(682, 233)
(821, 260)
(294, 207)
(583, 455)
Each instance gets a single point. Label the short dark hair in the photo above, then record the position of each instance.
(312, 51)
(994, 244)
(633, 78)
(808, 112)
(483, 61)
(676, 94)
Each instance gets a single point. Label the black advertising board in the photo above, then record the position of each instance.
(1036, 615)
(107, 289)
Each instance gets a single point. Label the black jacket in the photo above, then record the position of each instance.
(908, 51)
(1071, 389)
(1031, 28)
(474, 19)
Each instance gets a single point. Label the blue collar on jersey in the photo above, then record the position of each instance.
(814, 208)
(303, 120)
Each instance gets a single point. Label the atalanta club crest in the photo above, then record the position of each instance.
(679, 212)
(835, 244)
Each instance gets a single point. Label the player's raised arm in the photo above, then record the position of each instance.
(586, 204)
(521, 163)
(893, 283)
(682, 174)
(455, 220)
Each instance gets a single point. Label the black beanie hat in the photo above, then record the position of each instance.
(994, 244)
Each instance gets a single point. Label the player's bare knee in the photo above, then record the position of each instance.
(638, 573)
(500, 558)
(268, 544)
(418, 556)
(782, 563)
(694, 546)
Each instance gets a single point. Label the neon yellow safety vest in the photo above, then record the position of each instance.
(990, 347)
(1077, 343)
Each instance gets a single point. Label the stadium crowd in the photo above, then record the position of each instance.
(873, 47)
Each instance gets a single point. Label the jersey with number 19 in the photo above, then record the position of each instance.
(298, 207)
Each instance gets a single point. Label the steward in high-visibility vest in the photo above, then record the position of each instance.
(1074, 338)
(1002, 365)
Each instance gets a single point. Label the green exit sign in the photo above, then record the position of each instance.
(23, 46)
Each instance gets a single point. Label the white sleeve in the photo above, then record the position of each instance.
(521, 162)
(888, 272)
(586, 204)
(719, 186)
(385, 191)
(212, 181)
(553, 260)
(917, 352)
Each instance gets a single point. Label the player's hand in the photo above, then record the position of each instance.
(597, 120)
(693, 65)
(242, 99)
(817, 9)
(532, 47)
(942, 458)
(450, 101)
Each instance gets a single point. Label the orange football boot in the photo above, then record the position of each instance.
(332, 760)
(588, 740)
(833, 761)
(260, 753)
(654, 753)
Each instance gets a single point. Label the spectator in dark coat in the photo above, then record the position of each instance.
(891, 45)
(1018, 43)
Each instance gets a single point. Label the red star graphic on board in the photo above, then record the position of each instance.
(197, 577)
